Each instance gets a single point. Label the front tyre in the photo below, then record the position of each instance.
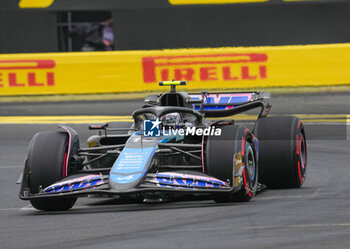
(250, 172)
(47, 162)
(220, 156)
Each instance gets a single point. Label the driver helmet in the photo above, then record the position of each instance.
(172, 119)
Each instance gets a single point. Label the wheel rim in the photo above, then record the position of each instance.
(302, 152)
(302, 159)
(250, 163)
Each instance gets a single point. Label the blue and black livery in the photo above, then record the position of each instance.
(228, 167)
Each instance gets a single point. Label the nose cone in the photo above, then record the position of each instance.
(132, 163)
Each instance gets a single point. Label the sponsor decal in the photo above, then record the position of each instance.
(222, 98)
(80, 183)
(184, 180)
(122, 179)
(207, 67)
(128, 178)
(27, 73)
(131, 164)
(131, 160)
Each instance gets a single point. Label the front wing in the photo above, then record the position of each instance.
(161, 182)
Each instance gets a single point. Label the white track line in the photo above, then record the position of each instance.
(8, 209)
(11, 167)
(28, 207)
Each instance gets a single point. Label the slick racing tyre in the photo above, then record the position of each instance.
(46, 162)
(220, 152)
(282, 152)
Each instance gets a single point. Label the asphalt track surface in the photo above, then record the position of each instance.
(314, 216)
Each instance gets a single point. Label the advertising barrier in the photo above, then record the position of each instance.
(84, 4)
(133, 71)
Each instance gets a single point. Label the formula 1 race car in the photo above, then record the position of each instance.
(171, 149)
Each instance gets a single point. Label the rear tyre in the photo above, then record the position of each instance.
(46, 161)
(220, 153)
(282, 152)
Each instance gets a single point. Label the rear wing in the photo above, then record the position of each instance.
(227, 104)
